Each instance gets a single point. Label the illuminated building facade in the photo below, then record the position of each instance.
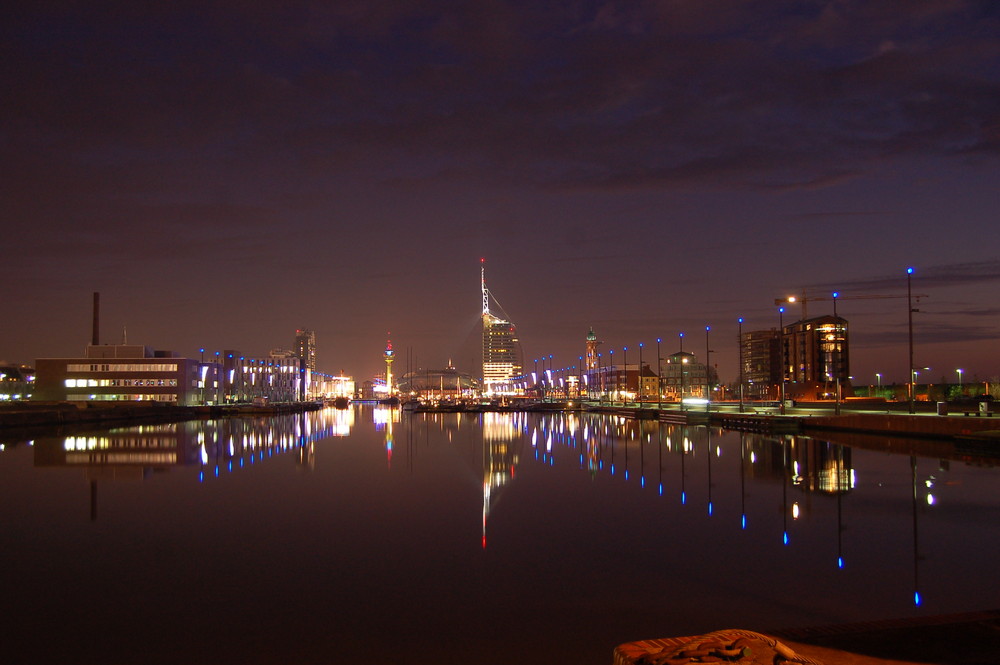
(16, 382)
(811, 357)
(119, 372)
(130, 372)
(816, 358)
(501, 348)
(683, 376)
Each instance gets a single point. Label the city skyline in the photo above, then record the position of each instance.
(224, 177)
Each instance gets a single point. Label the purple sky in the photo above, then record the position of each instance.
(225, 175)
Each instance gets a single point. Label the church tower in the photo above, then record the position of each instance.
(592, 344)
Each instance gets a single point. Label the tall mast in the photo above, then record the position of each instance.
(486, 294)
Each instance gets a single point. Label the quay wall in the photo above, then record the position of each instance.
(43, 414)
(920, 426)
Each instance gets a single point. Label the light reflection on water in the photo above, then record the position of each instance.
(372, 534)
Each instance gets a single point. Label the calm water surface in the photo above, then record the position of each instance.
(370, 535)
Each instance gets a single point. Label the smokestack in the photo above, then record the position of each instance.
(96, 337)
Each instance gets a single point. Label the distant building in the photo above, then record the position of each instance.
(501, 348)
(622, 382)
(591, 350)
(119, 372)
(326, 386)
(16, 382)
(130, 372)
(809, 357)
(305, 348)
(816, 358)
(447, 383)
(683, 376)
(760, 353)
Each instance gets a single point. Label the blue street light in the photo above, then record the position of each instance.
(909, 317)
(739, 321)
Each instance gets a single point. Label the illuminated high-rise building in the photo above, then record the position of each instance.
(816, 357)
(305, 348)
(501, 348)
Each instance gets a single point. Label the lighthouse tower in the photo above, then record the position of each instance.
(389, 357)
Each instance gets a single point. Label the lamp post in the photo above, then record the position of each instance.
(739, 340)
(708, 365)
(835, 296)
(684, 361)
(625, 376)
(551, 384)
(611, 367)
(600, 381)
(659, 376)
(909, 317)
(960, 389)
(781, 356)
(640, 374)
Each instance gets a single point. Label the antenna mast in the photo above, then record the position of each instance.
(486, 294)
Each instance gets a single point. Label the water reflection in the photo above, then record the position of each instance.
(776, 528)
(500, 458)
(218, 447)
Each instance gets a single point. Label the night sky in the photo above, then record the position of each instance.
(224, 174)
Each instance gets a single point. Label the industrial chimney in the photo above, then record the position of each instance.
(96, 337)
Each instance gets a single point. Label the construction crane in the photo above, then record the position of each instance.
(835, 296)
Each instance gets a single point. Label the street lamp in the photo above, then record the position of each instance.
(611, 368)
(683, 362)
(659, 376)
(959, 370)
(640, 374)
(909, 316)
(781, 355)
(739, 321)
(708, 364)
(835, 296)
(600, 381)
(625, 377)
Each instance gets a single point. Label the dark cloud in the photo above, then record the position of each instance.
(942, 276)
(656, 161)
(784, 94)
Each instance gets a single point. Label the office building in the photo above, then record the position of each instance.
(760, 353)
(119, 372)
(501, 348)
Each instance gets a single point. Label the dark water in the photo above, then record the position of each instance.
(342, 536)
